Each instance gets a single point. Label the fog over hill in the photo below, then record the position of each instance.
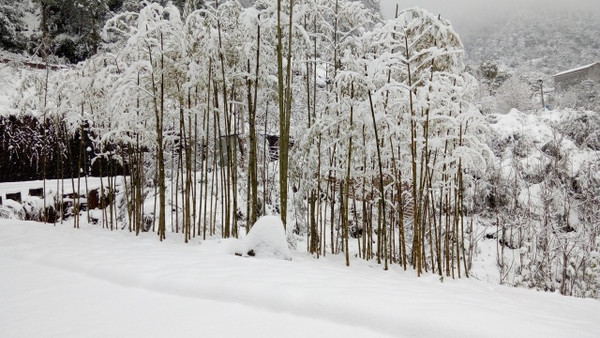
(531, 35)
(470, 15)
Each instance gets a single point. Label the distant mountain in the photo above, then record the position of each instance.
(538, 43)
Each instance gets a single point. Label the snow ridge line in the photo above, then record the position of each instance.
(35, 65)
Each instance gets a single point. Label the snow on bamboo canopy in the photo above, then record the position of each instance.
(426, 42)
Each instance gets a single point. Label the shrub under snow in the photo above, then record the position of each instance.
(267, 238)
(12, 210)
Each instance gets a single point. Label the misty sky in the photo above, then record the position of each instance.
(471, 14)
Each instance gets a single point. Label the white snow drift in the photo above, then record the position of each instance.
(56, 281)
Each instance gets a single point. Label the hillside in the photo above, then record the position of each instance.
(539, 200)
(537, 44)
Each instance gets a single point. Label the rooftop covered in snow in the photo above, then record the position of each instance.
(576, 75)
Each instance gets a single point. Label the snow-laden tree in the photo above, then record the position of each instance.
(141, 85)
(333, 31)
(12, 25)
(388, 147)
(514, 93)
(412, 136)
(418, 63)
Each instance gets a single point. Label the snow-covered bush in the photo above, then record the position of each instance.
(547, 171)
(584, 95)
(267, 238)
(12, 210)
(582, 127)
(514, 93)
(33, 207)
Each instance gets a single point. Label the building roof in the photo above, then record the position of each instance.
(574, 70)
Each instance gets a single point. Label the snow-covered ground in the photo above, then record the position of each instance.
(56, 281)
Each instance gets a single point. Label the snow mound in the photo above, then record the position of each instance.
(267, 238)
(12, 210)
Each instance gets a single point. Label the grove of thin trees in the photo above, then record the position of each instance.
(375, 135)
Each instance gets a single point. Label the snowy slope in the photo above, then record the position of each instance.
(544, 161)
(56, 281)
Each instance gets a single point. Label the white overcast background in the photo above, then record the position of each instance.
(467, 15)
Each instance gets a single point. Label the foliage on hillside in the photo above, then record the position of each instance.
(539, 44)
(542, 197)
(67, 29)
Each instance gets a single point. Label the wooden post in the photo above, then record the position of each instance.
(541, 82)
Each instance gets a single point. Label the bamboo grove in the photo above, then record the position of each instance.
(358, 132)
